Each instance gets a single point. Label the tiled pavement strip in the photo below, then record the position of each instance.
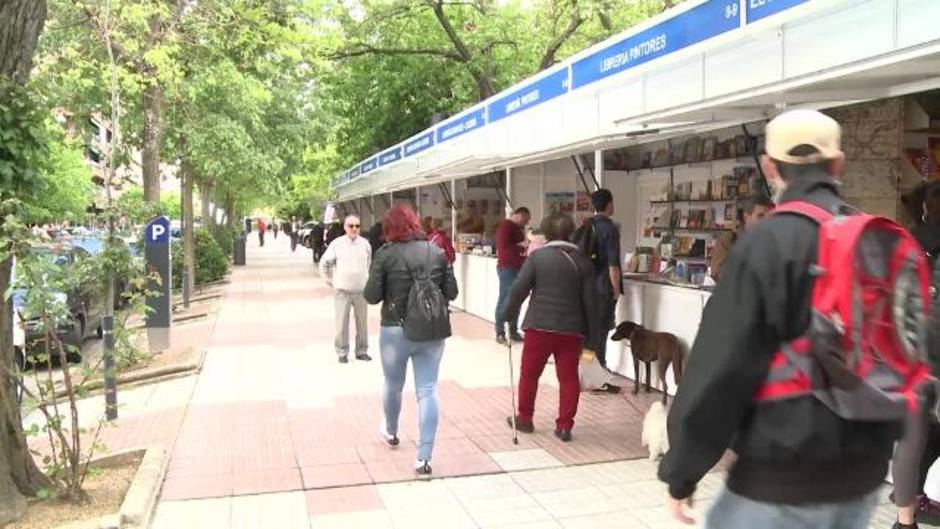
(275, 433)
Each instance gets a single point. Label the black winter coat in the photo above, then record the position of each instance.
(793, 451)
(563, 298)
(390, 280)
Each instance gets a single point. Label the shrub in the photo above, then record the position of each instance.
(211, 260)
(225, 236)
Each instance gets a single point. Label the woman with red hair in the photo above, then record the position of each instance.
(408, 255)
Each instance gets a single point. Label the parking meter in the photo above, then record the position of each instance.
(157, 255)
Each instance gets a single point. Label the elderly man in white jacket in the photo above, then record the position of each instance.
(345, 265)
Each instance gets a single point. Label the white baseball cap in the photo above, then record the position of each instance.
(798, 128)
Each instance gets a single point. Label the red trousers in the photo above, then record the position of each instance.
(566, 348)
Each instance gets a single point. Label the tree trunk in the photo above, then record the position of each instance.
(230, 212)
(205, 194)
(19, 475)
(189, 233)
(21, 22)
(153, 128)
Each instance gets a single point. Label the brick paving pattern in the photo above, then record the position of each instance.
(274, 432)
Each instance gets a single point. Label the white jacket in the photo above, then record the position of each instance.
(346, 262)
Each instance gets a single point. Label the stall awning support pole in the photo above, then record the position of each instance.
(600, 175)
(577, 167)
(447, 194)
(509, 207)
(453, 211)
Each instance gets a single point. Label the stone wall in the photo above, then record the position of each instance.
(872, 138)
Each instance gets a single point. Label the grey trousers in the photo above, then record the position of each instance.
(344, 302)
(731, 511)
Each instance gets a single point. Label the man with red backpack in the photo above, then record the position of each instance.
(808, 356)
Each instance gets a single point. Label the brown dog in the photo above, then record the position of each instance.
(648, 346)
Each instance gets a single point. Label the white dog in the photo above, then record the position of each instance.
(654, 431)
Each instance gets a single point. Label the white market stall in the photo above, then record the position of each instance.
(696, 72)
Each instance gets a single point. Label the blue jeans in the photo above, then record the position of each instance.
(426, 362)
(732, 511)
(507, 276)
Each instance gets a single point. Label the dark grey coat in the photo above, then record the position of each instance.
(562, 291)
(390, 281)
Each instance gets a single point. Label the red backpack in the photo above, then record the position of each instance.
(864, 353)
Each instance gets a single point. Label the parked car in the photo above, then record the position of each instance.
(94, 244)
(86, 307)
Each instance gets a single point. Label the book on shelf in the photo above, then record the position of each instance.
(729, 186)
(696, 218)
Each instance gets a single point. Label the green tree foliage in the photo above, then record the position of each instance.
(400, 63)
(65, 188)
(132, 203)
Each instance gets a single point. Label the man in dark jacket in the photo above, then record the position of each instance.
(799, 465)
(608, 276)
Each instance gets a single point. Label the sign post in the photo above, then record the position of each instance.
(157, 255)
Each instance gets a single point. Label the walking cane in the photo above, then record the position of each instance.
(512, 392)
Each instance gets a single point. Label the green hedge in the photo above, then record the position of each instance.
(211, 260)
(225, 236)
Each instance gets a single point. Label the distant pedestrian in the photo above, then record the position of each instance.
(274, 227)
(316, 241)
(262, 227)
(335, 230)
(510, 254)
(294, 228)
(345, 265)
(408, 255)
(438, 236)
(559, 282)
(375, 236)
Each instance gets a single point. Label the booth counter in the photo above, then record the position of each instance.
(478, 285)
(661, 307)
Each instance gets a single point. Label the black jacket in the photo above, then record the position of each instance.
(390, 281)
(563, 295)
(793, 451)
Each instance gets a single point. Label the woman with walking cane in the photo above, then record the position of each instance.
(558, 280)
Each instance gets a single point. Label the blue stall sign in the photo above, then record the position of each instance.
(760, 9)
(390, 156)
(460, 126)
(368, 165)
(669, 36)
(535, 93)
(157, 232)
(422, 142)
(354, 172)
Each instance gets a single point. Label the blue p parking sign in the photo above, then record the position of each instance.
(158, 231)
(157, 254)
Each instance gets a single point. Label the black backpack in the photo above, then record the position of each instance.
(427, 317)
(585, 238)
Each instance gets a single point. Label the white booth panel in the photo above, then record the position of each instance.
(579, 116)
(622, 100)
(623, 186)
(918, 22)
(674, 86)
(738, 66)
(839, 36)
(527, 189)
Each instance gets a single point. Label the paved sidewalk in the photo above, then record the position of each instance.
(275, 433)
